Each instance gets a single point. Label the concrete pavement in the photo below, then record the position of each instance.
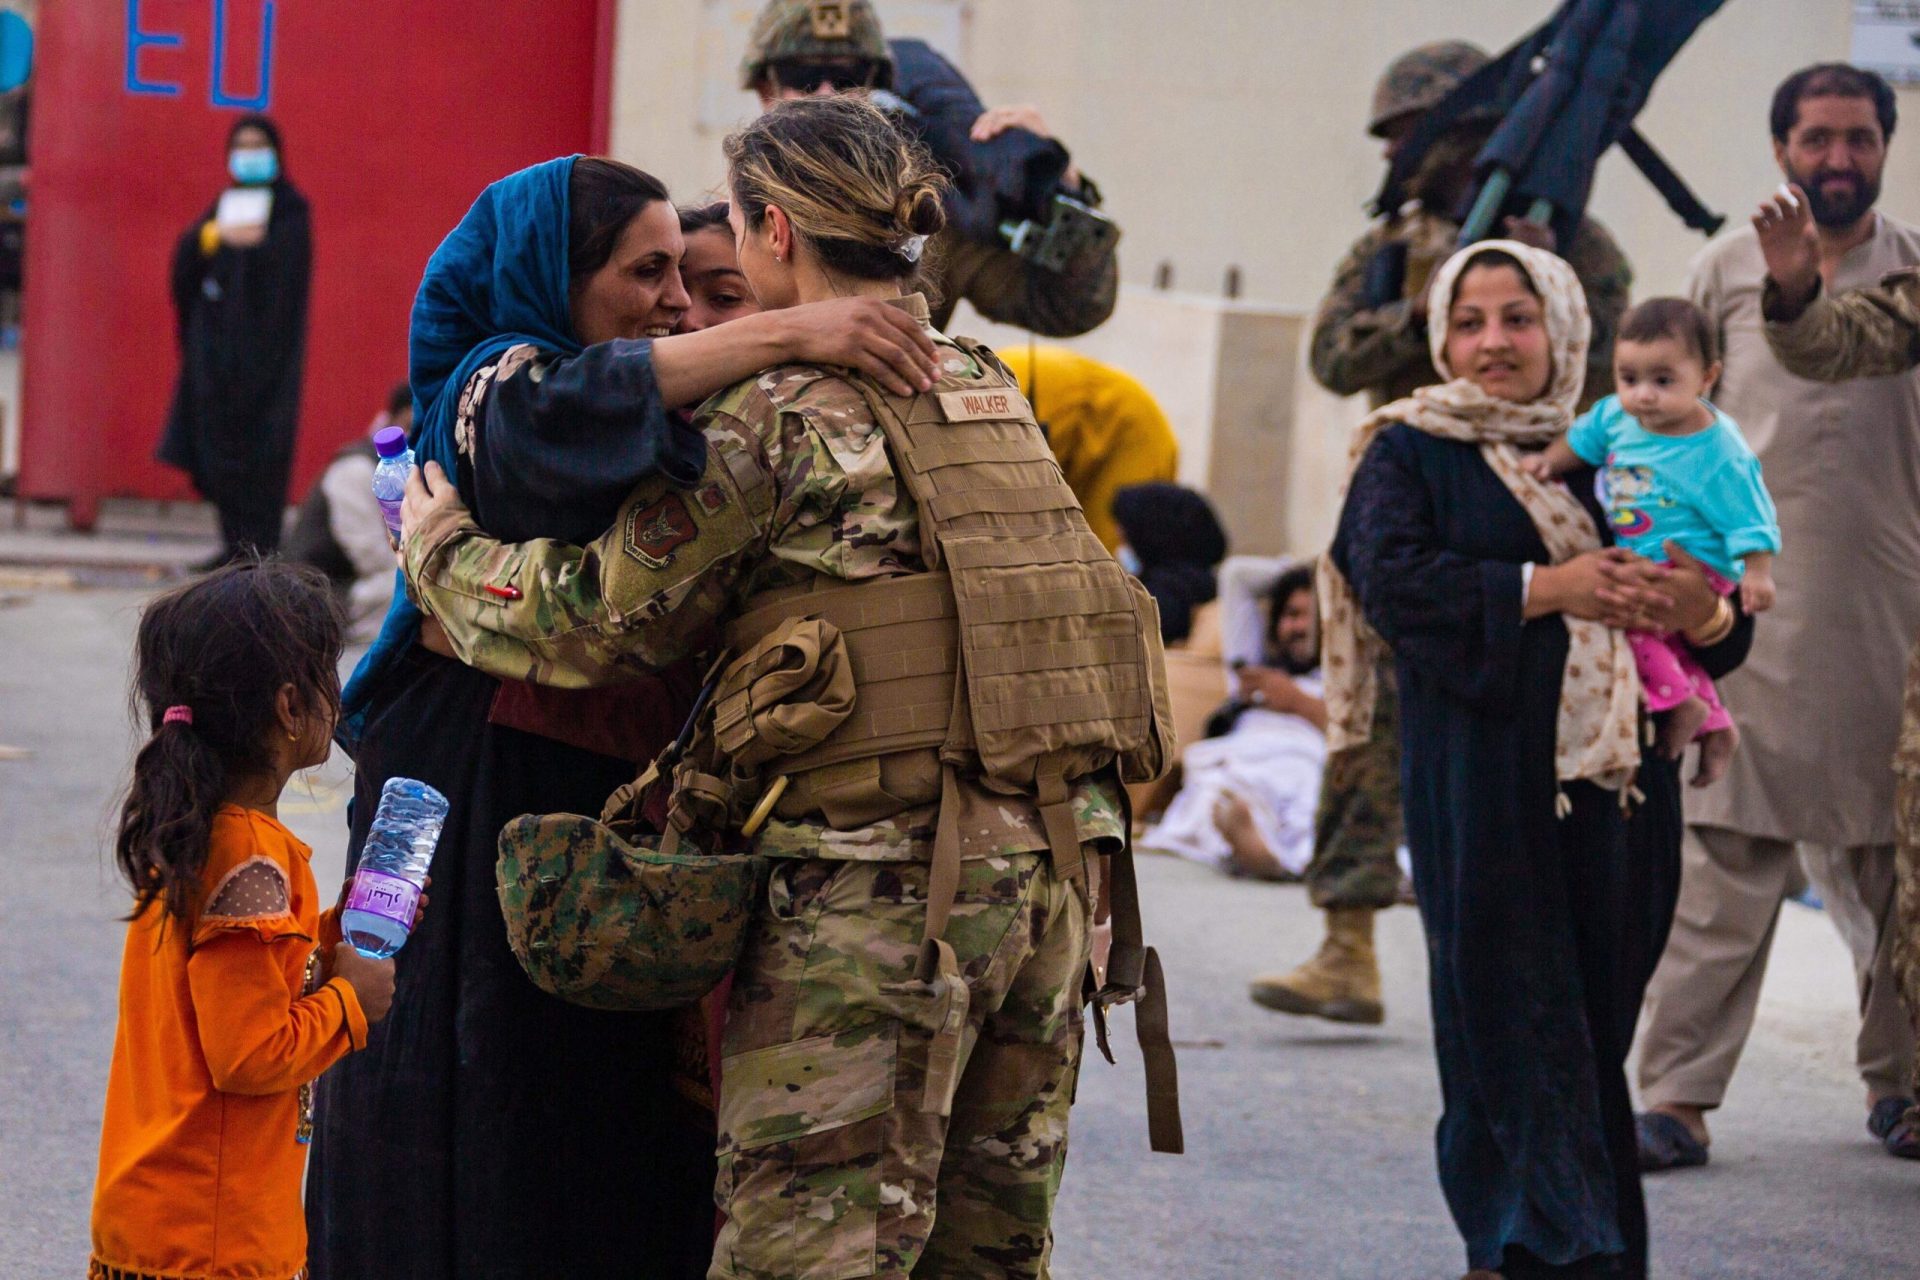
(1310, 1149)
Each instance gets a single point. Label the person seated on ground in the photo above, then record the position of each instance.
(1107, 431)
(340, 531)
(1249, 788)
(1172, 541)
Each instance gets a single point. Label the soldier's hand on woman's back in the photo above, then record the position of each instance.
(865, 334)
(429, 494)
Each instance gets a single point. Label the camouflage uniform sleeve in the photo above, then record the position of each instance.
(1006, 288)
(644, 595)
(1356, 347)
(1861, 333)
(1607, 277)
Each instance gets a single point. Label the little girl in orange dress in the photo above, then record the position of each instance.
(235, 989)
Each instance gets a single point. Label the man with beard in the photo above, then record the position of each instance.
(1820, 695)
(1371, 337)
(1248, 789)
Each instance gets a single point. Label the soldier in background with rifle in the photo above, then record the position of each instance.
(1025, 241)
(1371, 336)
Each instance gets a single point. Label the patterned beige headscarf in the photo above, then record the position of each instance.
(1598, 735)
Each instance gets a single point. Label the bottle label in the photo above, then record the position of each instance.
(379, 894)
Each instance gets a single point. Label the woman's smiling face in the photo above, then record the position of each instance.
(716, 284)
(1497, 334)
(638, 293)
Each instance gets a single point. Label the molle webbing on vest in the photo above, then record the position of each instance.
(1024, 655)
(903, 640)
(1053, 656)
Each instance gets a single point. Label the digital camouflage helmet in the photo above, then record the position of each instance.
(603, 916)
(816, 31)
(1419, 79)
(608, 914)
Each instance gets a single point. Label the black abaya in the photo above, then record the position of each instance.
(242, 316)
(488, 1129)
(1542, 932)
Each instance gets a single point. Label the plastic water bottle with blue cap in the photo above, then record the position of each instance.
(380, 906)
(390, 475)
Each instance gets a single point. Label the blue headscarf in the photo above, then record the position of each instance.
(499, 280)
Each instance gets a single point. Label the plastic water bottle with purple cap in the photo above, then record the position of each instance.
(390, 475)
(393, 866)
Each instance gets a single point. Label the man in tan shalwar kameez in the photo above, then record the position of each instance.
(1818, 702)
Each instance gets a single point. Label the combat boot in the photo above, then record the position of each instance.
(1342, 981)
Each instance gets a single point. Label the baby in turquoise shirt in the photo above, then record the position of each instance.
(1675, 469)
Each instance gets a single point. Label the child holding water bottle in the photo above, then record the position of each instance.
(235, 989)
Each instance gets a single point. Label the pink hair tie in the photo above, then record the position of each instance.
(178, 715)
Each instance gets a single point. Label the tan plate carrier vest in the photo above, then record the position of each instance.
(1025, 657)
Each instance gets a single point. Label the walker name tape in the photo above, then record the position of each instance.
(981, 406)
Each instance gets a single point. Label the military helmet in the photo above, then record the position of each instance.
(1419, 79)
(804, 30)
(611, 922)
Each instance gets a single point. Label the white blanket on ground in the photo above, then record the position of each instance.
(1273, 762)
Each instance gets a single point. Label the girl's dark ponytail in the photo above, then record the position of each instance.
(179, 782)
(210, 661)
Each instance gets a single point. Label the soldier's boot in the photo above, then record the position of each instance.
(1342, 981)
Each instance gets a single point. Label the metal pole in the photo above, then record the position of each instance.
(1486, 207)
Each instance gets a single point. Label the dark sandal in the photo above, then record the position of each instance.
(1665, 1143)
(1888, 1122)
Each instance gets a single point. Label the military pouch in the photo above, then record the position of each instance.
(784, 695)
(608, 915)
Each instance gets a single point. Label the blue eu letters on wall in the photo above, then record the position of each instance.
(221, 98)
(139, 39)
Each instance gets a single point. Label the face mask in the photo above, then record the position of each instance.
(1129, 560)
(253, 166)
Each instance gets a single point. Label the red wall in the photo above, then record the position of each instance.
(395, 114)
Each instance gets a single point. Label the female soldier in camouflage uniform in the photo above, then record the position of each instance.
(838, 1136)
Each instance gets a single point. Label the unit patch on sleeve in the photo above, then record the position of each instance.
(654, 533)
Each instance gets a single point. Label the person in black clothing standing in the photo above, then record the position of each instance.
(240, 282)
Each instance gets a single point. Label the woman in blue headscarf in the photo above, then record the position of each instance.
(487, 1128)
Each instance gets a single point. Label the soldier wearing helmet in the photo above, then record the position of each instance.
(1371, 336)
(801, 48)
(1371, 333)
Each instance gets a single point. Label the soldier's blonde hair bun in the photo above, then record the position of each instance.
(863, 195)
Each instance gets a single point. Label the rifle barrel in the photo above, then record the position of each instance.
(1485, 207)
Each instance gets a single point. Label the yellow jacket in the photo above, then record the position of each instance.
(1105, 428)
